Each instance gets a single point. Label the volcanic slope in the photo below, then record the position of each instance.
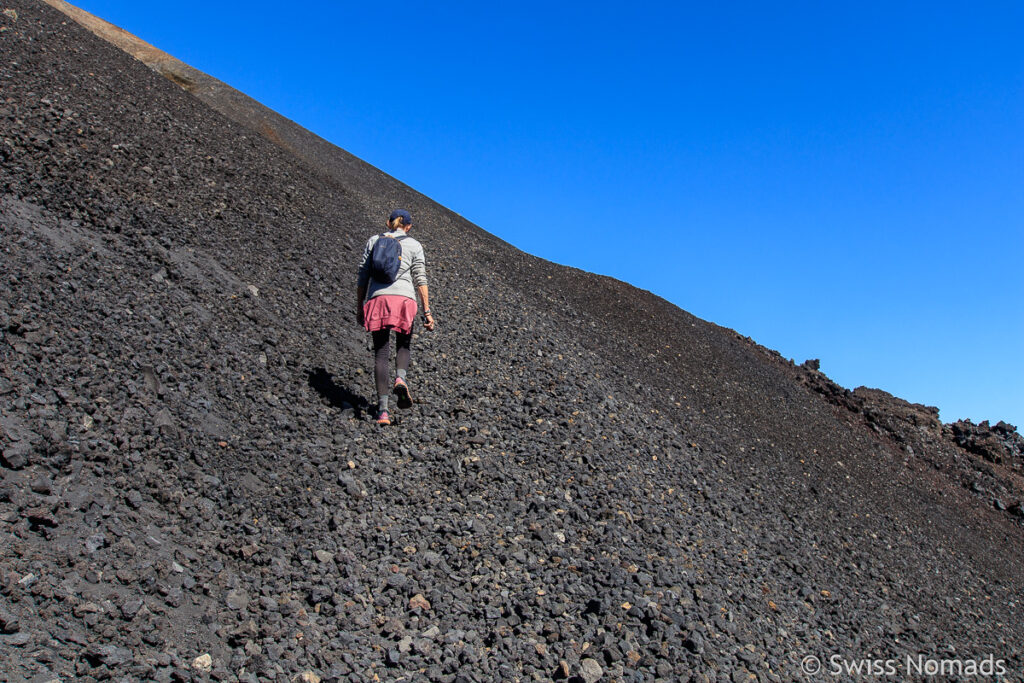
(592, 484)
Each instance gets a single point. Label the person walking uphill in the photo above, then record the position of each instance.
(393, 272)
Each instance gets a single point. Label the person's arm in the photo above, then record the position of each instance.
(428, 319)
(418, 271)
(360, 296)
(363, 279)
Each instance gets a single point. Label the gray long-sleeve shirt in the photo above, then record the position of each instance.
(412, 271)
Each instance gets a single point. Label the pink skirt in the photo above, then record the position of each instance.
(389, 312)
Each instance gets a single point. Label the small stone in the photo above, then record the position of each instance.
(131, 608)
(84, 608)
(324, 556)
(126, 576)
(164, 422)
(95, 543)
(134, 499)
(694, 643)
(9, 623)
(397, 581)
(15, 456)
(254, 291)
(590, 670)
(41, 517)
(237, 600)
(111, 655)
(203, 663)
(151, 380)
(353, 486)
(18, 639)
(307, 677)
(318, 594)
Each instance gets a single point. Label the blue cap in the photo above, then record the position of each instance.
(403, 214)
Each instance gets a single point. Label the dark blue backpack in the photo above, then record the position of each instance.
(386, 258)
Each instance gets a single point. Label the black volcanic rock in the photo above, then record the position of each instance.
(192, 488)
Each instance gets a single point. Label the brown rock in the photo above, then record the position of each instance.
(419, 602)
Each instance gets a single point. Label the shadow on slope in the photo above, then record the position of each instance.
(337, 396)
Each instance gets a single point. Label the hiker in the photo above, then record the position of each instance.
(390, 277)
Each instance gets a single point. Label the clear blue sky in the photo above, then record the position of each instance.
(841, 181)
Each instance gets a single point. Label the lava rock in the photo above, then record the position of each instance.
(15, 457)
(9, 623)
(590, 670)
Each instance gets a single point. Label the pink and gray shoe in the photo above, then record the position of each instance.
(402, 392)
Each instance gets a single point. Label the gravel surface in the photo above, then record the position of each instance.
(592, 485)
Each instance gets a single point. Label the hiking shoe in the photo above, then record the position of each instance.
(402, 392)
(384, 418)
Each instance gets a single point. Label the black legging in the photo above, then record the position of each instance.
(381, 354)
